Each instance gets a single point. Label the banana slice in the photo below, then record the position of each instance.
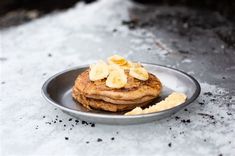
(116, 79)
(127, 66)
(135, 64)
(173, 100)
(114, 67)
(116, 59)
(130, 64)
(98, 71)
(139, 73)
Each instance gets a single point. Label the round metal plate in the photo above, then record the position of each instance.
(57, 91)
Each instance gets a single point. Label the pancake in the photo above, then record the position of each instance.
(134, 90)
(90, 103)
(96, 95)
(136, 101)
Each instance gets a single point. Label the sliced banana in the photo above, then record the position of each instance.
(173, 100)
(130, 64)
(135, 64)
(139, 73)
(116, 59)
(126, 66)
(114, 67)
(116, 79)
(98, 71)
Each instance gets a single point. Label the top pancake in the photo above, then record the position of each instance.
(135, 91)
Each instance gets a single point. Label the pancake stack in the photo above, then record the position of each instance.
(116, 87)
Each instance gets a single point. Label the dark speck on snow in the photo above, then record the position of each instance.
(208, 93)
(99, 140)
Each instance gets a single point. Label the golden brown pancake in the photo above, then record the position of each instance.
(96, 95)
(90, 103)
(133, 90)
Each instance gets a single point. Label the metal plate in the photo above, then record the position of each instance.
(57, 91)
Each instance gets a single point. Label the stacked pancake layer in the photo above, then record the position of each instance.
(96, 95)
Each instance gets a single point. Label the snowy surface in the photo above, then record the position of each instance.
(33, 52)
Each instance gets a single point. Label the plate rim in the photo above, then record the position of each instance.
(116, 116)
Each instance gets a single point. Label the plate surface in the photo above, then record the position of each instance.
(57, 91)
